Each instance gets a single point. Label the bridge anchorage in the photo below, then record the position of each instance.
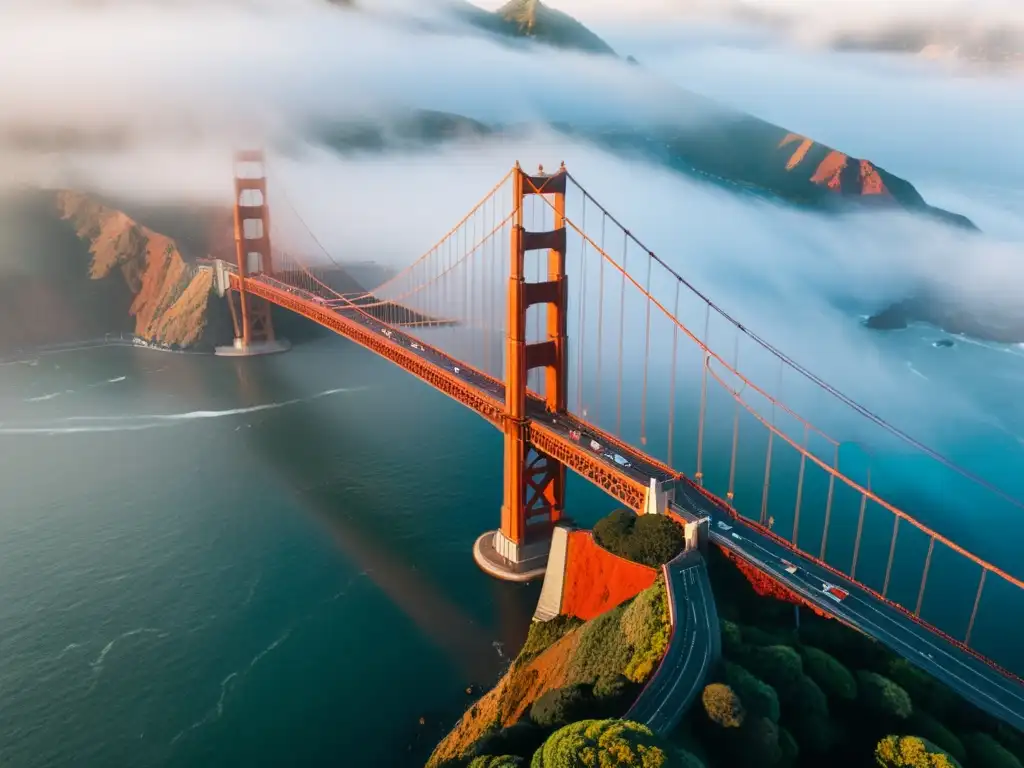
(253, 326)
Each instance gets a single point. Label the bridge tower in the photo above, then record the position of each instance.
(534, 492)
(253, 325)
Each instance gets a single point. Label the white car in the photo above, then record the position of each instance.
(457, 369)
(387, 333)
(595, 446)
(418, 346)
(789, 567)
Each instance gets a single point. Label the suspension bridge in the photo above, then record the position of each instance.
(660, 400)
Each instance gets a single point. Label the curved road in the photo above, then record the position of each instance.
(973, 679)
(693, 650)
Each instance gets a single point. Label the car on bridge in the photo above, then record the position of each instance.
(836, 593)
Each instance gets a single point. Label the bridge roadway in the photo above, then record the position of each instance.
(693, 651)
(972, 678)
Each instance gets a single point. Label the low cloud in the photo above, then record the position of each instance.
(185, 83)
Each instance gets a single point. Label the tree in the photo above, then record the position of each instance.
(985, 752)
(883, 697)
(561, 706)
(648, 539)
(522, 738)
(723, 706)
(758, 698)
(609, 744)
(503, 761)
(832, 677)
(911, 752)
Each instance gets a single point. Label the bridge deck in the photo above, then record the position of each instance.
(980, 682)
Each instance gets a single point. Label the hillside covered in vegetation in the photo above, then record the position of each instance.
(793, 690)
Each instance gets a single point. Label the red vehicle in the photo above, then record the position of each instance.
(835, 592)
(574, 434)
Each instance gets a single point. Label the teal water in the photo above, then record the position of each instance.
(209, 562)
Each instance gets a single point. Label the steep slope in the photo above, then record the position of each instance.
(170, 297)
(46, 296)
(533, 19)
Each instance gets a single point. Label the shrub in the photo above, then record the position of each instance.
(928, 728)
(758, 742)
(757, 697)
(648, 539)
(645, 624)
(723, 706)
(1012, 739)
(985, 752)
(805, 699)
(758, 636)
(924, 690)
(831, 676)
(788, 747)
(543, 634)
(609, 744)
(778, 665)
(602, 650)
(561, 706)
(613, 695)
(883, 697)
(504, 761)
(815, 734)
(522, 738)
(853, 648)
(911, 752)
(732, 637)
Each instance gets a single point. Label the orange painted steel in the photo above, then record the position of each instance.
(612, 481)
(900, 514)
(440, 242)
(256, 322)
(534, 479)
(491, 409)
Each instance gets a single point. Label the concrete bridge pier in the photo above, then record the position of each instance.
(266, 346)
(499, 556)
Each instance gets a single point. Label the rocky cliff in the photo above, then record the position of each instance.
(74, 267)
(170, 298)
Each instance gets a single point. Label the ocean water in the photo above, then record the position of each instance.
(210, 562)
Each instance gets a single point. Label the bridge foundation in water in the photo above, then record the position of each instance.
(502, 558)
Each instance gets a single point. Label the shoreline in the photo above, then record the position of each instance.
(28, 355)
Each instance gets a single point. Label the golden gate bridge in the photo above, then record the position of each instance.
(657, 400)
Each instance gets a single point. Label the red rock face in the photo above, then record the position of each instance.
(837, 172)
(596, 580)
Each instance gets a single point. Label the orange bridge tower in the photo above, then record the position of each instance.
(253, 325)
(534, 497)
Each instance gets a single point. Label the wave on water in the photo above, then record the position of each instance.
(133, 423)
(41, 398)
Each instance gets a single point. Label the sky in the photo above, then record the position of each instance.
(185, 83)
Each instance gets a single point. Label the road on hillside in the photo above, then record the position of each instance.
(693, 650)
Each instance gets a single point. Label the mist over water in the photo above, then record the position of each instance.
(203, 77)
